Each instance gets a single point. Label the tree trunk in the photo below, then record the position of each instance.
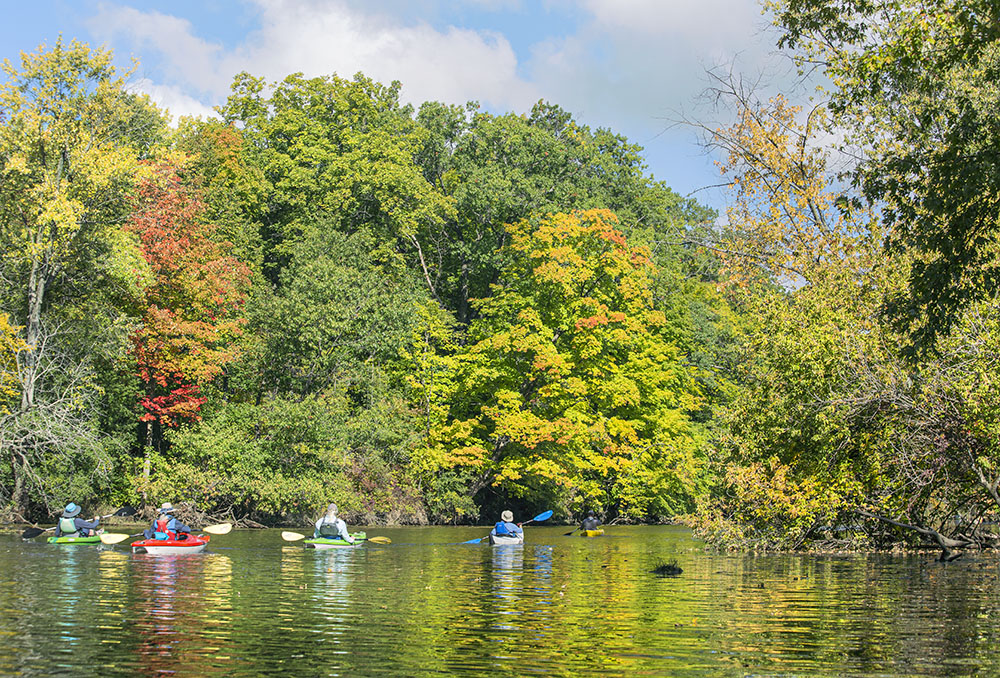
(463, 294)
(33, 331)
(146, 463)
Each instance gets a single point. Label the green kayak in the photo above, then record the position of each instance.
(95, 539)
(335, 542)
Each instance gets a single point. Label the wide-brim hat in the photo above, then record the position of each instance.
(71, 510)
(507, 517)
(167, 507)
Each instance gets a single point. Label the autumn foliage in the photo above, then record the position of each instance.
(193, 314)
(570, 388)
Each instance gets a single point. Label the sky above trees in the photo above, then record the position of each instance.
(631, 65)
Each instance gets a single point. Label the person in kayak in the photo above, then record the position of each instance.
(591, 522)
(71, 525)
(330, 526)
(506, 527)
(167, 525)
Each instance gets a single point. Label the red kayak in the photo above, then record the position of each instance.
(195, 543)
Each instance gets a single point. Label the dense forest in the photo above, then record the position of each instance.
(428, 314)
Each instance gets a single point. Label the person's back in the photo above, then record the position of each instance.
(506, 526)
(331, 525)
(591, 522)
(72, 525)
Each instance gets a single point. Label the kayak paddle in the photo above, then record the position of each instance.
(544, 515)
(221, 528)
(295, 536)
(33, 532)
(572, 531)
(115, 537)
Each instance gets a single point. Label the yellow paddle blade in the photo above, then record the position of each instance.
(292, 536)
(223, 528)
(113, 537)
(380, 540)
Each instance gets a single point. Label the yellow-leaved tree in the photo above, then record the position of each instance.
(568, 394)
(71, 141)
(65, 162)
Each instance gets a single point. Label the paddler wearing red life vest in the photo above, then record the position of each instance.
(166, 526)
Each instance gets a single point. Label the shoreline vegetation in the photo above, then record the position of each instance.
(433, 313)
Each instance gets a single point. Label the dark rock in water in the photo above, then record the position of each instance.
(668, 569)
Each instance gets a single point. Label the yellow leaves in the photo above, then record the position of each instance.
(17, 163)
(11, 344)
(784, 198)
(60, 214)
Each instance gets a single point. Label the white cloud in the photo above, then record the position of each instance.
(453, 65)
(626, 64)
(189, 59)
(643, 59)
(173, 99)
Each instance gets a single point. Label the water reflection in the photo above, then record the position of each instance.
(508, 562)
(181, 603)
(554, 606)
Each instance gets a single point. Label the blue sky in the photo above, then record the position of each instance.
(630, 65)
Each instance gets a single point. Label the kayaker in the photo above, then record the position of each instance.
(167, 525)
(591, 522)
(506, 527)
(70, 525)
(329, 525)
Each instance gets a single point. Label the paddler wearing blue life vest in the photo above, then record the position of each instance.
(70, 525)
(332, 526)
(506, 526)
(166, 526)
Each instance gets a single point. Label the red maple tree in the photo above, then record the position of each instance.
(193, 308)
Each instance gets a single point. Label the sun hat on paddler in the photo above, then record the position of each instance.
(507, 517)
(71, 510)
(167, 507)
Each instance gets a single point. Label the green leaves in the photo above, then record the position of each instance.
(914, 88)
(566, 387)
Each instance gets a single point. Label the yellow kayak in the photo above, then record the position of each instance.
(592, 533)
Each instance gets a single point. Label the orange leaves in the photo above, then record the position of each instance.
(192, 319)
(786, 201)
(591, 322)
(566, 380)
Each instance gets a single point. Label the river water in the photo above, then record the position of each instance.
(254, 605)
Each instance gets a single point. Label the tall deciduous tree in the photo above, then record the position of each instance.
(568, 391)
(500, 169)
(70, 137)
(338, 152)
(193, 316)
(66, 163)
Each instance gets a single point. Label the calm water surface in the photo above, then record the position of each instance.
(255, 605)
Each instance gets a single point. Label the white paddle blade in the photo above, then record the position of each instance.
(223, 528)
(292, 536)
(113, 537)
